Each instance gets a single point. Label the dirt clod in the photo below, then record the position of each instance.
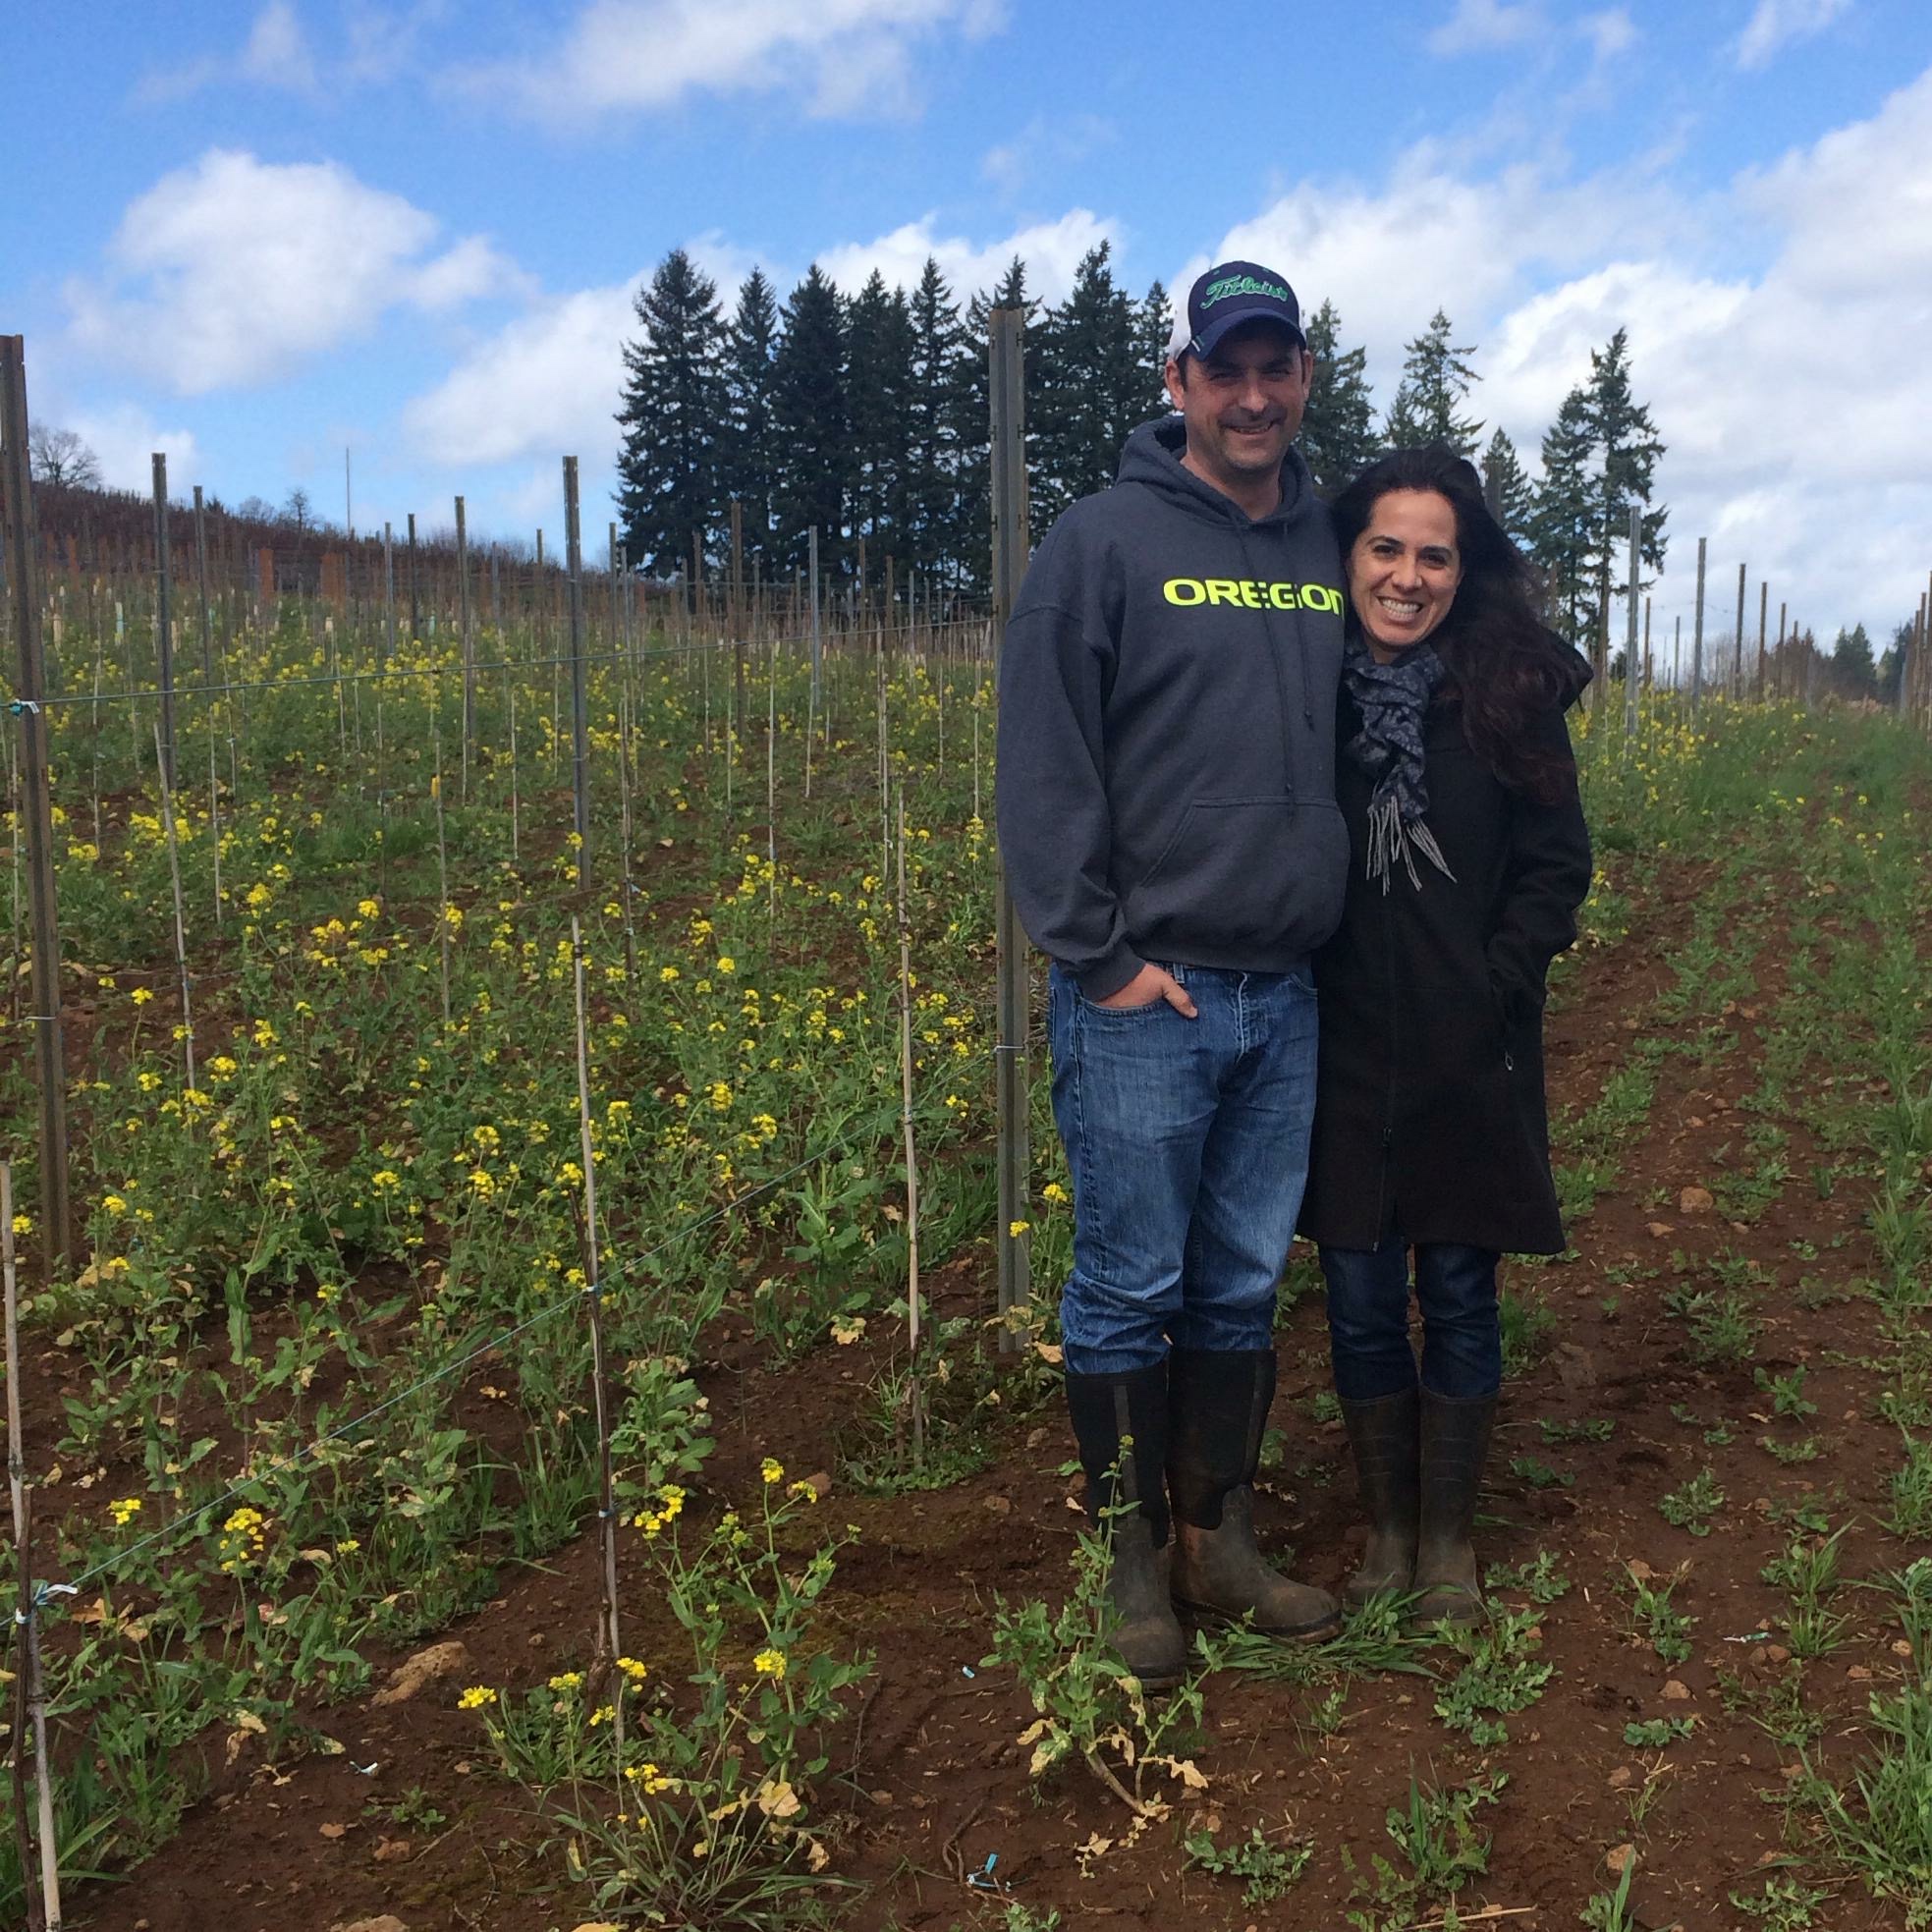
(426, 1666)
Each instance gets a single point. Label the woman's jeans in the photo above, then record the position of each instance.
(1369, 1319)
(1188, 1144)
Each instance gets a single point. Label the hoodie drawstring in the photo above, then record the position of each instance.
(1301, 644)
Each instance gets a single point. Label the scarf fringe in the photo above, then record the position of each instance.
(1390, 839)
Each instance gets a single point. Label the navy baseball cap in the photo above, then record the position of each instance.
(1228, 295)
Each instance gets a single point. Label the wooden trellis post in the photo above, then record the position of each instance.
(580, 697)
(1697, 641)
(1007, 361)
(164, 627)
(50, 1060)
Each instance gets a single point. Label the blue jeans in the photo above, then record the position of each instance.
(1188, 1144)
(1369, 1319)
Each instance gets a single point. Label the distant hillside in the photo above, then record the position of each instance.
(103, 533)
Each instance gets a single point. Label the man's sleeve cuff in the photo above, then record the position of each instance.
(1103, 981)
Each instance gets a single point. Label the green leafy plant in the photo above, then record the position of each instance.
(1911, 1493)
(1541, 1579)
(1654, 1734)
(1267, 1868)
(1088, 1705)
(1692, 1504)
(1589, 1429)
(1610, 1911)
(1880, 1828)
(1786, 1392)
(1501, 1673)
(1665, 1628)
(1440, 1847)
(1722, 1330)
(1539, 1474)
(1784, 1904)
(717, 1776)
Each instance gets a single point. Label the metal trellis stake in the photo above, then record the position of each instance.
(593, 1294)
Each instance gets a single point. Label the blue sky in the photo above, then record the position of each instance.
(260, 232)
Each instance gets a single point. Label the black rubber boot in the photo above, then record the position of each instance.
(1110, 1411)
(1385, 1436)
(1454, 1446)
(1217, 1408)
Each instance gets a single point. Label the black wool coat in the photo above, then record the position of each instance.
(1430, 1118)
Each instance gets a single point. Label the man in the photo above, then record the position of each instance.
(1168, 825)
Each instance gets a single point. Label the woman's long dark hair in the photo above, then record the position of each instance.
(1503, 664)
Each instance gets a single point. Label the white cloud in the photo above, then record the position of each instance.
(1786, 391)
(234, 270)
(1778, 23)
(381, 42)
(1478, 25)
(1047, 142)
(1793, 409)
(125, 437)
(1610, 33)
(546, 383)
(1051, 250)
(1432, 236)
(718, 257)
(841, 58)
(276, 54)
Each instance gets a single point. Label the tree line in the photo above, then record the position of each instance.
(865, 415)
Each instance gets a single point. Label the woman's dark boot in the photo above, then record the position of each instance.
(1386, 1437)
(1455, 1447)
(1217, 1408)
(1122, 1419)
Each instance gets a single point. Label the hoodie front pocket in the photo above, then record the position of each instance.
(1240, 873)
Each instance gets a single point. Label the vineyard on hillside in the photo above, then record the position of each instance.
(313, 1431)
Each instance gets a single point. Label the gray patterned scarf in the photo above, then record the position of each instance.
(1391, 699)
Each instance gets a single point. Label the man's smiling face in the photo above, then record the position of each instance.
(1243, 405)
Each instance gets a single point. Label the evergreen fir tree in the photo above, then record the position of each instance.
(1435, 378)
(1894, 661)
(808, 414)
(932, 426)
(749, 467)
(1515, 494)
(879, 346)
(1626, 449)
(1567, 535)
(1090, 389)
(672, 417)
(1338, 428)
(1854, 672)
(1155, 330)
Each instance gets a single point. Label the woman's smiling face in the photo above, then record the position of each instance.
(1403, 570)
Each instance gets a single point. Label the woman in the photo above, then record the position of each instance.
(1470, 857)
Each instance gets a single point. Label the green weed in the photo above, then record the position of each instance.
(1692, 1504)
(1267, 1869)
(1440, 1847)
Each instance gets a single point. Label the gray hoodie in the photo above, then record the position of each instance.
(1166, 785)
